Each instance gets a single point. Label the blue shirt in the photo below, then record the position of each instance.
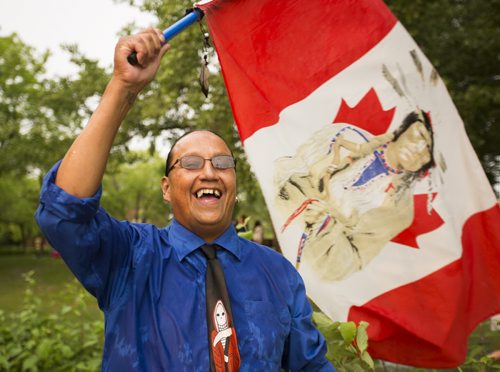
(150, 284)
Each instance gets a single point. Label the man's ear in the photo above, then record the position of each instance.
(165, 188)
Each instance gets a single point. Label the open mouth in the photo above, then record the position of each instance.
(208, 193)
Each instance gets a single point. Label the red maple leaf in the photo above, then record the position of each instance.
(367, 114)
(422, 223)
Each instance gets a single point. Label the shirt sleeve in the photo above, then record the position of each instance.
(306, 347)
(96, 247)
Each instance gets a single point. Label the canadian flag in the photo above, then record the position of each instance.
(374, 190)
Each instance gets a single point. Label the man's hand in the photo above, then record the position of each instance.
(81, 170)
(150, 48)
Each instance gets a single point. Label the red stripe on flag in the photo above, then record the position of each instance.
(276, 53)
(460, 295)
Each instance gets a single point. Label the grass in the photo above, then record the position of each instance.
(51, 275)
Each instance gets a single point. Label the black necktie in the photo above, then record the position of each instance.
(222, 341)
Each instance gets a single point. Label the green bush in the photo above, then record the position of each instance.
(347, 348)
(347, 343)
(70, 338)
(34, 340)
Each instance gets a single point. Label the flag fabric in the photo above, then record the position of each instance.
(373, 187)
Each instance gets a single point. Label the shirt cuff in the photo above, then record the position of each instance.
(66, 206)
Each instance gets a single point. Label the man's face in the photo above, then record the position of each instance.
(202, 200)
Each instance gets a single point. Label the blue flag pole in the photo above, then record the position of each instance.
(192, 16)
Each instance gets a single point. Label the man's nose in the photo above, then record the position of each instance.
(208, 169)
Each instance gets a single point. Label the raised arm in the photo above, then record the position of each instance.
(82, 168)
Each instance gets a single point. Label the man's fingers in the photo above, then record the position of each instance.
(149, 48)
(148, 45)
(148, 41)
(160, 35)
(144, 48)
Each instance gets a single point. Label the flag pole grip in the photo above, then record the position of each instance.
(192, 15)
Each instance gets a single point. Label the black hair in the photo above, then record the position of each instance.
(169, 160)
(408, 121)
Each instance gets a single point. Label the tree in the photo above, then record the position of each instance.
(133, 190)
(40, 116)
(19, 199)
(19, 95)
(462, 40)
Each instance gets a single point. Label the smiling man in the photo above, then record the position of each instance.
(200, 184)
(192, 296)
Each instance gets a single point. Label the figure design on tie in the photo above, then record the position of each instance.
(224, 343)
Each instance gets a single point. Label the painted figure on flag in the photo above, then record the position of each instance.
(224, 343)
(353, 192)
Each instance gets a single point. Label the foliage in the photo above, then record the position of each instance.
(19, 199)
(482, 343)
(40, 116)
(133, 190)
(462, 40)
(59, 317)
(347, 343)
(479, 364)
(31, 340)
(19, 85)
(34, 340)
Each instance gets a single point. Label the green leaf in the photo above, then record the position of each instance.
(362, 336)
(66, 351)
(15, 351)
(94, 364)
(365, 357)
(89, 343)
(43, 349)
(30, 363)
(348, 331)
(354, 367)
(327, 327)
(29, 344)
(321, 320)
(66, 309)
(4, 363)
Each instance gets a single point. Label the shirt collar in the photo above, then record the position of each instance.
(185, 241)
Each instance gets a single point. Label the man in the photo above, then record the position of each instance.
(150, 282)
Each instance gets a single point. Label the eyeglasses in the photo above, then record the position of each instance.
(194, 162)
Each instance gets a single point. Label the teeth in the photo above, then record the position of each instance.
(202, 192)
